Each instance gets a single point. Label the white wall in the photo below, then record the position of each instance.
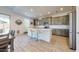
(13, 17)
(26, 24)
(77, 29)
(16, 27)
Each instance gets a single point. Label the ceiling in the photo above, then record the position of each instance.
(39, 11)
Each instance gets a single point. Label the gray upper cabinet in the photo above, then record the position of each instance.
(61, 20)
(47, 19)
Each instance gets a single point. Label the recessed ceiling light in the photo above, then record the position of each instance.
(48, 12)
(61, 9)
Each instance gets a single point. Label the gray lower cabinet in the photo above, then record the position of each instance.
(61, 32)
(63, 20)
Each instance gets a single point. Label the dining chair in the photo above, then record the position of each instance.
(12, 32)
(4, 42)
(12, 37)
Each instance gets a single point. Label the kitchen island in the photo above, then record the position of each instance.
(44, 34)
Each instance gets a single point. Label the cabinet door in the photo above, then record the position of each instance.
(56, 21)
(67, 20)
(53, 21)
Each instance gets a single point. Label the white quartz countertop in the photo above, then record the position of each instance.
(41, 28)
(40, 33)
(57, 26)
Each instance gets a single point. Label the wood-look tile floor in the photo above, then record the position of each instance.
(24, 43)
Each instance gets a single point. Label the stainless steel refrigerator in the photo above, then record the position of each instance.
(72, 30)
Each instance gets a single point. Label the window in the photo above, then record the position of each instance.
(4, 24)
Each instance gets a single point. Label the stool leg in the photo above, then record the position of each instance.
(12, 45)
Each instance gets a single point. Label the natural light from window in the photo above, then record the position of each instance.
(4, 23)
